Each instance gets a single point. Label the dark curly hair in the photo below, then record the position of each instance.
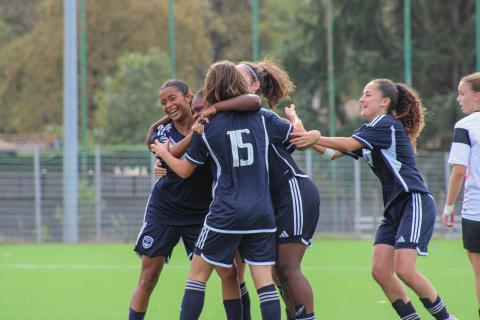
(275, 84)
(405, 105)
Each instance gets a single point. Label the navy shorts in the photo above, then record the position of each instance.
(471, 235)
(297, 207)
(219, 248)
(408, 223)
(158, 240)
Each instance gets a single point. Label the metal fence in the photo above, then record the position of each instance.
(114, 186)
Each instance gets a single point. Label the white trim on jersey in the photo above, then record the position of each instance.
(289, 129)
(144, 220)
(219, 172)
(375, 121)
(365, 142)
(390, 155)
(193, 160)
(267, 142)
(288, 164)
(240, 231)
(266, 263)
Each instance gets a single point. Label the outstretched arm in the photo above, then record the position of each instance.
(343, 144)
(327, 153)
(245, 102)
(183, 168)
(454, 187)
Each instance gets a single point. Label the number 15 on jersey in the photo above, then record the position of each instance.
(237, 144)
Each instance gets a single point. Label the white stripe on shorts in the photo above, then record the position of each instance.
(201, 238)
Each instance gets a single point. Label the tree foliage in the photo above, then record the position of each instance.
(368, 44)
(127, 101)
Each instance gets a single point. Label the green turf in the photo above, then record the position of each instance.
(95, 282)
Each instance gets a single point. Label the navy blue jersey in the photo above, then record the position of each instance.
(237, 143)
(282, 165)
(389, 153)
(178, 201)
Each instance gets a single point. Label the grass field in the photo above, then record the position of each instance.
(94, 282)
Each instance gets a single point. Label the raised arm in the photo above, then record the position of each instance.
(245, 102)
(183, 168)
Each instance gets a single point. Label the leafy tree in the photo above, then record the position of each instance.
(31, 65)
(127, 102)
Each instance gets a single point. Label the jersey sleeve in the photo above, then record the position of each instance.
(461, 147)
(197, 152)
(277, 128)
(375, 134)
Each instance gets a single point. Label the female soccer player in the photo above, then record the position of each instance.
(241, 216)
(387, 143)
(295, 198)
(230, 286)
(465, 161)
(176, 207)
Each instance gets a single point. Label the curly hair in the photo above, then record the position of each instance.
(405, 105)
(275, 84)
(223, 81)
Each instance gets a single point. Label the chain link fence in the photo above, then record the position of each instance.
(114, 186)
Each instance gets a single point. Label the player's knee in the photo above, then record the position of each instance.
(380, 274)
(149, 279)
(227, 274)
(405, 273)
(287, 271)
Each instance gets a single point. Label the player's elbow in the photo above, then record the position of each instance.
(459, 171)
(184, 174)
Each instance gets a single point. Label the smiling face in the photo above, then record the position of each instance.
(175, 104)
(468, 99)
(372, 102)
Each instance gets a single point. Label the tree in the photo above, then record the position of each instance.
(127, 102)
(32, 63)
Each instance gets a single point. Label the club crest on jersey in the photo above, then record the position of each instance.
(147, 242)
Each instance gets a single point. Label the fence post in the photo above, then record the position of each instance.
(308, 162)
(38, 193)
(98, 193)
(446, 168)
(358, 194)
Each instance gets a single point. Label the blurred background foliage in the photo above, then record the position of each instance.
(127, 61)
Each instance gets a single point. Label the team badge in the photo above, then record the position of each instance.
(147, 242)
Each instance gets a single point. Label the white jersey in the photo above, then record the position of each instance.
(466, 151)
